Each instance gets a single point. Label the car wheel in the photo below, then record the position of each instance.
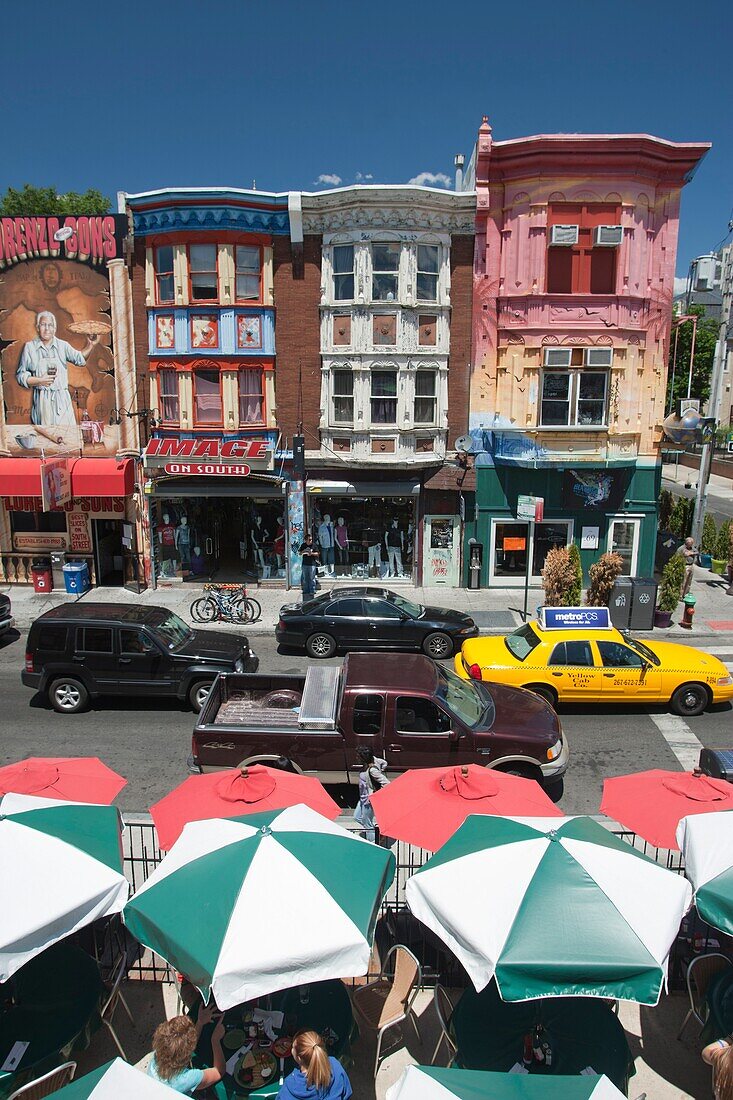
(524, 772)
(320, 645)
(198, 693)
(689, 700)
(68, 696)
(547, 693)
(438, 645)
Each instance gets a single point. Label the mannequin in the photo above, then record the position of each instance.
(168, 552)
(370, 539)
(198, 563)
(278, 546)
(326, 537)
(341, 545)
(184, 538)
(258, 537)
(394, 540)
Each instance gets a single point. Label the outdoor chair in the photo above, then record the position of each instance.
(114, 998)
(700, 972)
(390, 999)
(44, 1086)
(444, 1011)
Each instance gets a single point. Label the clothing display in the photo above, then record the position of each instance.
(341, 537)
(394, 541)
(326, 541)
(184, 540)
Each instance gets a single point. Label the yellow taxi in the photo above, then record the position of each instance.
(583, 662)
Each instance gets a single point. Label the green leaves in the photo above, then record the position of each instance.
(16, 203)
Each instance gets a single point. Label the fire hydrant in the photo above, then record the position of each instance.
(689, 602)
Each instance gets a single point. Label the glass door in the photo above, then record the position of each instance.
(623, 539)
(511, 541)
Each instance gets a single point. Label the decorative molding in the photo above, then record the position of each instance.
(607, 341)
(405, 209)
(548, 341)
(514, 338)
(576, 341)
(181, 219)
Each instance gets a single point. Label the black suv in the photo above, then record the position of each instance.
(6, 618)
(78, 651)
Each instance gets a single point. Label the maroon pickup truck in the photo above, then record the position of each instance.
(406, 708)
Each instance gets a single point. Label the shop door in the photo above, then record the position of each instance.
(441, 550)
(512, 540)
(108, 557)
(623, 539)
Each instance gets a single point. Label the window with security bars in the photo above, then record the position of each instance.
(163, 262)
(343, 272)
(168, 397)
(248, 267)
(384, 397)
(385, 272)
(342, 396)
(203, 272)
(427, 272)
(251, 397)
(574, 398)
(425, 397)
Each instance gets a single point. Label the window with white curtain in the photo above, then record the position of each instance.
(248, 265)
(251, 398)
(207, 405)
(168, 398)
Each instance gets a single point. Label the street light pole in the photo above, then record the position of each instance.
(706, 459)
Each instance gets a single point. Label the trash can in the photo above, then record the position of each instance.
(58, 558)
(76, 577)
(42, 575)
(643, 603)
(475, 558)
(620, 603)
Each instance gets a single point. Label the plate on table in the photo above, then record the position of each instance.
(255, 1069)
(281, 1047)
(234, 1039)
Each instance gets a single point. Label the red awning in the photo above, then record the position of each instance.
(90, 477)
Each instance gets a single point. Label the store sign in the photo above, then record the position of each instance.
(589, 538)
(219, 470)
(101, 507)
(38, 541)
(55, 483)
(78, 526)
(531, 508)
(258, 453)
(93, 240)
(571, 618)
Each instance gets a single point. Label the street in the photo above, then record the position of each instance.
(148, 740)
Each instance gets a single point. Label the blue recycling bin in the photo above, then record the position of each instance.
(76, 577)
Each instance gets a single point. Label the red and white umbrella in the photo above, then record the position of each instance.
(652, 803)
(66, 778)
(232, 793)
(426, 806)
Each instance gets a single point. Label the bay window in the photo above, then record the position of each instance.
(168, 397)
(384, 397)
(342, 392)
(207, 404)
(203, 276)
(573, 398)
(251, 397)
(425, 397)
(385, 272)
(343, 273)
(163, 263)
(427, 272)
(248, 265)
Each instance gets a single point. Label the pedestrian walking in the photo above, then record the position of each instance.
(371, 778)
(309, 557)
(688, 552)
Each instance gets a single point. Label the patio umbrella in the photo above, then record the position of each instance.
(67, 778)
(551, 908)
(652, 803)
(431, 1083)
(61, 868)
(706, 842)
(250, 905)
(425, 806)
(116, 1081)
(237, 791)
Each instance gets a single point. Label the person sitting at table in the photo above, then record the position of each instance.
(173, 1045)
(316, 1074)
(719, 1055)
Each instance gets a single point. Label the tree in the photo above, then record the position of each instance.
(705, 340)
(576, 590)
(46, 200)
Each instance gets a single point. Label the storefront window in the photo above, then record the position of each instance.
(427, 272)
(164, 291)
(353, 542)
(203, 272)
(343, 273)
(425, 397)
(251, 400)
(342, 382)
(384, 397)
(170, 412)
(512, 541)
(44, 522)
(248, 273)
(207, 407)
(385, 272)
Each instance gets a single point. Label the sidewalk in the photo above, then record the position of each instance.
(495, 610)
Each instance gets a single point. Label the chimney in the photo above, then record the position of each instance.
(459, 161)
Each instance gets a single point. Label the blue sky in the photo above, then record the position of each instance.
(144, 95)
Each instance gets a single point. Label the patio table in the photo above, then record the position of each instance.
(329, 1006)
(582, 1031)
(58, 995)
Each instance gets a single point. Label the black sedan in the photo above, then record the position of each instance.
(6, 618)
(371, 618)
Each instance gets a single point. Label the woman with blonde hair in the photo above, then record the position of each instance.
(174, 1042)
(719, 1055)
(316, 1075)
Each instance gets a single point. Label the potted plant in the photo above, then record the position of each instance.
(722, 544)
(673, 576)
(602, 576)
(558, 577)
(708, 542)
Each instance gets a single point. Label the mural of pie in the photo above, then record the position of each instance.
(90, 328)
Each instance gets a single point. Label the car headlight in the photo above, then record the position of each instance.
(554, 750)
(466, 630)
(723, 681)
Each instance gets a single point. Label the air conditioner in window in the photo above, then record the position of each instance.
(598, 357)
(609, 235)
(564, 234)
(558, 357)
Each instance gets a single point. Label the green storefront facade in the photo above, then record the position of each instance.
(598, 507)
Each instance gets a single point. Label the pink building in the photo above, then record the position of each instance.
(576, 238)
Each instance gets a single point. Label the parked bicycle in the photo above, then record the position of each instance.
(225, 603)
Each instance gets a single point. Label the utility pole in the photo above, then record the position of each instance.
(706, 459)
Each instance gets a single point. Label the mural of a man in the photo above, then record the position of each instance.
(42, 369)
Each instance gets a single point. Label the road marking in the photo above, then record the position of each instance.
(680, 738)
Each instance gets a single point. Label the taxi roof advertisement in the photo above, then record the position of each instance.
(573, 618)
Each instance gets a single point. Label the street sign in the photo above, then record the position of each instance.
(531, 508)
(573, 618)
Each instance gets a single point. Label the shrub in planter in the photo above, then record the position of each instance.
(673, 576)
(722, 542)
(666, 504)
(709, 536)
(680, 520)
(602, 575)
(558, 576)
(576, 590)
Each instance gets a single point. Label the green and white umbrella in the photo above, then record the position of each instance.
(61, 868)
(551, 907)
(116, 1081)
(706, 842)
(430, 1083)
(249, 905)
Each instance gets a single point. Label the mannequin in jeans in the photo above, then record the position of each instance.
(184, 537)
(168, 551)
(326, 543)
(341, 545)
(258, 537)
(371, 541)
(394, 540)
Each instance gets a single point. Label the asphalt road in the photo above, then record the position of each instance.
(148, 741)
